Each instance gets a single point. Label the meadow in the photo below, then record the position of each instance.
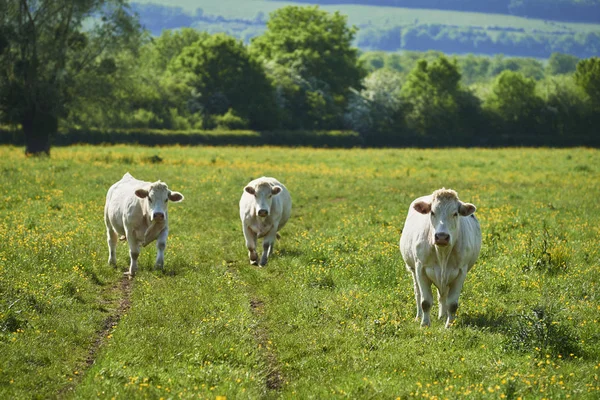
(332, 314)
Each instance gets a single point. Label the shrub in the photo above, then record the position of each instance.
(231, 121)
(538, 331)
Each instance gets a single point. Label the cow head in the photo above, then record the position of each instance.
(263, 194)
(158, 196)
(445, 211)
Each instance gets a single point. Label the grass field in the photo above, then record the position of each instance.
(332, 314)
(381, 17)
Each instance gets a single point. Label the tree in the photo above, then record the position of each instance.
(45, 44)
(377, 111)
(436, 103)
(514, 100)
(312, 50)
(587, 76)
(559, 63)
(220, 74)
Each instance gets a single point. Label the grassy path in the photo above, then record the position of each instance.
(331, 315)
(117, 306)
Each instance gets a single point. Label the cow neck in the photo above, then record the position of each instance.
(154, 229)
(443, 255)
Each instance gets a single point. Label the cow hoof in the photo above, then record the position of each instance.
(253, 262)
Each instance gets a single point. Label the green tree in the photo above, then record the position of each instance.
(514, 100)
(45, 45)
(559, 63)
(436, 103)
(587, 76)
(219, 74)
(311, 51)
(170, 44)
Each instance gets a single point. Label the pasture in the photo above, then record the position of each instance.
(332, 314)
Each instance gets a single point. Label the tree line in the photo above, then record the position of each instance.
(302, 73)
(479, 39)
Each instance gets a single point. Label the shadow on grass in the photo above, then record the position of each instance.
(282, 252)
(487, 322)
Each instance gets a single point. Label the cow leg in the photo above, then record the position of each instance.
(426, 294)
(251, 237)
(453, 293)
(134, 252)
(417, 296)
(112, 239)
(268, 244)
(442, 303)
(161, 244)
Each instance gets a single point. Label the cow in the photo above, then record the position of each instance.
(136, 211)
(265, 207)
(440, 243)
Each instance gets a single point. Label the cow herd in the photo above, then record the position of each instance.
(440, 241)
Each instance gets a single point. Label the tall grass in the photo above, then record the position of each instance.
(332, 314)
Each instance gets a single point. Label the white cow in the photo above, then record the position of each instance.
(440, 243)
(265, 207)
(137, 211)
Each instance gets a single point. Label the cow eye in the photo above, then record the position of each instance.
(456, 214)
(149, 200)
(432, 214)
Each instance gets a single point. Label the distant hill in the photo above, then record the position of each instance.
(557, 10)
(392, 28)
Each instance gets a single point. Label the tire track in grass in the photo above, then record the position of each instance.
(121, 290)
(274, 377)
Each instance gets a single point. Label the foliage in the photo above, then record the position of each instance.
(514, 100)
(378, 109)
(561, 64)
(46, 44)
(313, 49)
(587, 77)
(436, 104)
(220, 75)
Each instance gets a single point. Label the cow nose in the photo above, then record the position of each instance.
(158, 216)
(442, 238)
(263, 213)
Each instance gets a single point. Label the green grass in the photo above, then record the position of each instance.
(332, 314)
(376, 16)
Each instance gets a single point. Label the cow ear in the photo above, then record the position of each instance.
(466, 209)
(422, 207)
(276, 190)
(250, 189)
(175, 197)
(141, 193)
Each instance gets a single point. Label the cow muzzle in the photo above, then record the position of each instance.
(263, 213)
(158, 216)
(442, 239)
